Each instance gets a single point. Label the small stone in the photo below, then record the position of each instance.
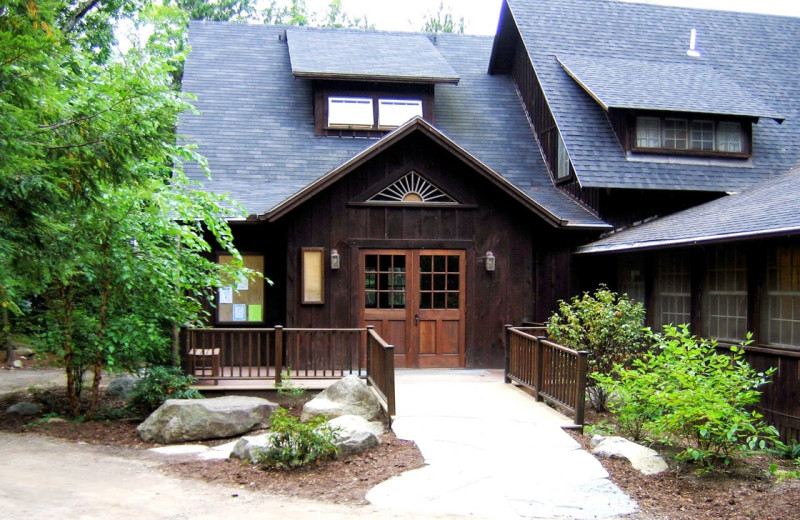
(24, 408)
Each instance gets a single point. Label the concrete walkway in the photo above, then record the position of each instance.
(492, 451)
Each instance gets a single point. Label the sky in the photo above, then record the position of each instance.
(481, 15)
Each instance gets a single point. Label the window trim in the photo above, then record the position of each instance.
(324, 90)
(690, 120)
(312, 295)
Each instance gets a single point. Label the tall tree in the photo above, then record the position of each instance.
(96, 218)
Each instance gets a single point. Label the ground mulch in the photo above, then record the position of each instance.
(744, 491)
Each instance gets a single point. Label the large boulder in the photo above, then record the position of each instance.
(643, 459)
(355, 434)
(179, 420)
(348, 396)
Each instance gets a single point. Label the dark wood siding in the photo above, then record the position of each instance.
(487, 221)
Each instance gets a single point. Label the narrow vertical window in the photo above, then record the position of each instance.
(725, 295)
(729, 137)
(562, 168)
(648, 132)
(673, 293)
(313, 273)
(781, 312)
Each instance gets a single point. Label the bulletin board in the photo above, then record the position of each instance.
(243, 300)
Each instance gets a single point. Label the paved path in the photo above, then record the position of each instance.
(492, 452)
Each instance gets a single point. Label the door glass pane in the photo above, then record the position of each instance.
(452, 282)
(438, 300)
(438, 263)
(452, 264)
(385, 281)
(425, 300)
(425, 263)
(439, 282)
(425, 282)
(452, 300)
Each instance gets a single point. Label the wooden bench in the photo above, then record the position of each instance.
(203, 359)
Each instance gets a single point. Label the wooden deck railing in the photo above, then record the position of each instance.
(380, 368)
(302, 353)
(551, 371)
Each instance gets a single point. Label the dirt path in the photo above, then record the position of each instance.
(45, 478)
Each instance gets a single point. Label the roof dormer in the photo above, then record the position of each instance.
(366, 84)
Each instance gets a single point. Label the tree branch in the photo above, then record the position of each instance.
(78, 15)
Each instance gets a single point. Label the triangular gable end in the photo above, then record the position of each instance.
(414, 125)
(408, 189)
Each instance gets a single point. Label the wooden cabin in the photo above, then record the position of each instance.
(439, 186)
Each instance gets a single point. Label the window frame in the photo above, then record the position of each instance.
(323, 91)
(689, 130)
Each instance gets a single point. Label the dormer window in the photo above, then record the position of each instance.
(350, 112)
(360, 112)
(683, 135)
(395, 112)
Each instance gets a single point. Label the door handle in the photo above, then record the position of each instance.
(416, 320)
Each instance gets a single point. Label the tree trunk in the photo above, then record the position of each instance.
(5, 338)
(69, 352)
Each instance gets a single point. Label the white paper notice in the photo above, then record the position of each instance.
(226, 295)
(242, 285)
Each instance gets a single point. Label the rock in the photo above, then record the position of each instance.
(122, 387)
(241, 450)
(355, 434)
(23, 352)
(179, 420)
(348, 396)
(24, 408)
(17, 363)
(645, 460)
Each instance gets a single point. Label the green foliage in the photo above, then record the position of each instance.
(159, 384)
(789, 451)
(295, 12)
(443, 22)
(684, 394)
(295, 444)
(286, 387)
(601, 428)
(607, 325)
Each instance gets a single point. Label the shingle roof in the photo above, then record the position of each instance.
(256, 125)
(764, 210)
(368, 56)
(678, 86)
(760, 53)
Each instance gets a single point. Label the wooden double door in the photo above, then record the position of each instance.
(416, 301)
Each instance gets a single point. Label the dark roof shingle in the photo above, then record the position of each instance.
(758, 53)
(255, 122)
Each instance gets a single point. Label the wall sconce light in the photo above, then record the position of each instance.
(490, 261)
(336, 260)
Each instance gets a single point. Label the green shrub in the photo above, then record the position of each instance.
(608, 326)
(159, 384)
(686, 395)
(295, 444)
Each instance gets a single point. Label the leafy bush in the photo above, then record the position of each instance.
(685, 394)
(159, 384)
(607, 325)
(295, 444)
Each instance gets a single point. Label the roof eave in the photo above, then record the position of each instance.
(428, 80)
(684, 242)
(415, 124)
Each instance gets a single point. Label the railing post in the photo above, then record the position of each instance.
(506, 379)
(538, 361)
(369, 350)
(388, 368)
(580, 405)
(278, 354)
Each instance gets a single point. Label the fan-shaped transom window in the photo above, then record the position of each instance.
(412, 188)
